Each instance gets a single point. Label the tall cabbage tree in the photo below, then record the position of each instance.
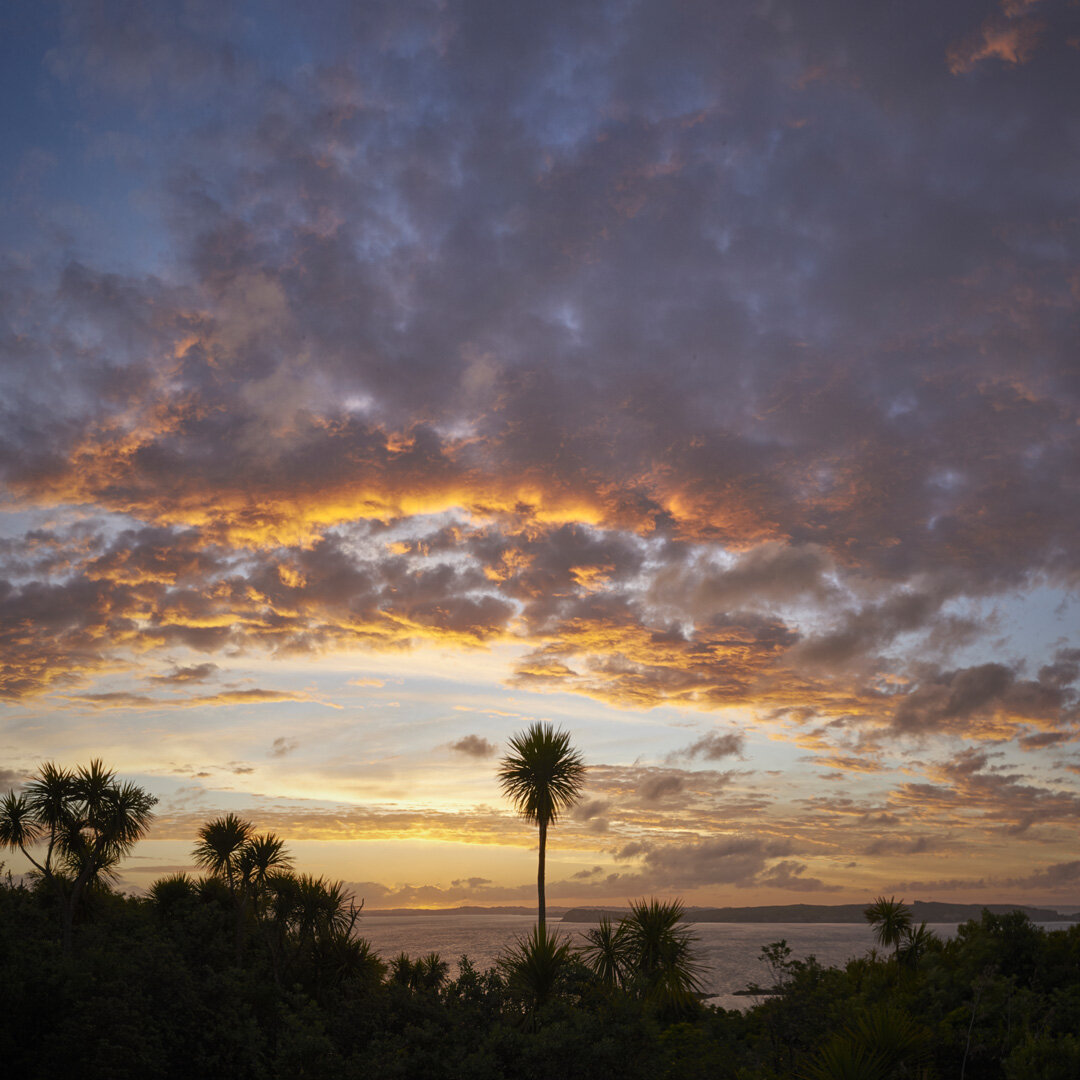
(542, 775)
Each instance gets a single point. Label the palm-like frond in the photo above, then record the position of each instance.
(18, 826)
(85, 818)
(541, 774)
(845, 1059)
(173, 889)
(535, 966)
(882, 1043)
(264, 854)
(608, 952)
(915, 943)
(311, 907)
(220, 844)
(662, 950)
(50, 793)
(890, 919)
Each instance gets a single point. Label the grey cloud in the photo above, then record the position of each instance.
(714, 862)
(895, 846)
(193, 673)
(973, 780)
(655, 788)
(283, 746)
(474, 746)
(585, 875)
(589, 809)
(790, 874)
(1054, 876)
(874, 626)
(1048, 879)
(767, 574)
(715, 745)
(1044, 739)
(962, 699)
(11, 778)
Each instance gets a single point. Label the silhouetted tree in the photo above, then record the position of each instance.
(88, 822)
(608, 952)
(542, 775)
(535, 967)
(890, 919)
(229, 849)
(661, 965)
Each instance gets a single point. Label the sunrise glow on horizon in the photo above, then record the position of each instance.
(379, 379)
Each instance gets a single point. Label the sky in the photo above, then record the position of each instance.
(378, 379)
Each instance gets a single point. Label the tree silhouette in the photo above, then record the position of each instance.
(310, 923)
(608, 952)
(88, 822)
(542, 775)
(229, 850)
(535, 967)
(221, 842)
(890, 919)
(662, 967)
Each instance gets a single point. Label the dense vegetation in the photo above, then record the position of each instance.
(217, 978)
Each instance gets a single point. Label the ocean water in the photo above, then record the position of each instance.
(729, 952)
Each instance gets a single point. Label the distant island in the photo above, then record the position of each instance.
(921, 911)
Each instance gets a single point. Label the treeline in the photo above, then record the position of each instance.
(163, 986)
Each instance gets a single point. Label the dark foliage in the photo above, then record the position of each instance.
(154, 988)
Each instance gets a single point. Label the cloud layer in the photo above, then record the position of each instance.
(705, 359)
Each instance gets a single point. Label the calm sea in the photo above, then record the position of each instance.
(729, 951)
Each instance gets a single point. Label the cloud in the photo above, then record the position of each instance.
(894, 846)
(627, 388)
(972, 783)
(1054, 878)
(654, 789)
(729, 861)
(589, 809)
(790, 874)
(768, 573)
(194, 673)
(283, 746)
(474, 746)
(116, 699)
(11, 779)
(986, 698)
(585, 875)
(1010, 41)
(714, 746)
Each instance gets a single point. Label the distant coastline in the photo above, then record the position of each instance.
(469, 909)
(921, 910)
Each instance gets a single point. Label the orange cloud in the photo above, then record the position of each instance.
(1012, 42)
(253, 696)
